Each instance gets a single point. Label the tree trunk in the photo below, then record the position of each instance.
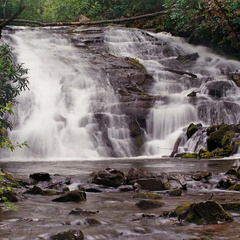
(114, 21)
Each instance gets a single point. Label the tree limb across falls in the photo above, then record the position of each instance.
(113, 21)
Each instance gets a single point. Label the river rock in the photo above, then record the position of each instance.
(81, 211)
(148, 195)
(8, 195)
(92, 221)
(34, 190)
(126, 188)
(135, 174)
(72, 196)
(201, 175)
(152, 184)
(231, 206)
(149, 204)
(175, 192)
(41, 176)
(69, 235)
(203, 213)
(110, 177)
(192, 128)
(235, 76)
(235, 169)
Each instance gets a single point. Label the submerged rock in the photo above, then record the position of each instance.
(203, 213)
(149, 204)
(148, 195)
(72, 196)
(69, 235)
(110, 177)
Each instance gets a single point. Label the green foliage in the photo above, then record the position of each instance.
(13, 80)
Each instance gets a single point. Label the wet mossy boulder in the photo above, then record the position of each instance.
(203, 213)
(235, 169)
(190, 155)
(110, 177)
(149, 204)
(203, 153)
(69, 235)
(72, 196)
(192, 128)
(231, 206)
(147, 195)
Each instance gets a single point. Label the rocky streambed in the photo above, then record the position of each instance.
(123, 199)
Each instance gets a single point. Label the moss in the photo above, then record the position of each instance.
(222, 152)
(192, 128)
(137, 64)
(235, 187)
(211, 129)
(190, 155)
(231, 206)
(182, 209)
(148, 195)
(203, 153)
(227, 138)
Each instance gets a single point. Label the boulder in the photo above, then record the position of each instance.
(135, 174)
(203, 213)
(192, 128)
(34, 190)
(69, 235)
(149, 204)
(41, 176)
(152, 184)
(72, 196)
(110, 177)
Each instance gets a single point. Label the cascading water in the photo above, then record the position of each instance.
(57, 117)
(179, 69)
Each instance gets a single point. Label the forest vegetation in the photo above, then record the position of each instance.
(215, 23)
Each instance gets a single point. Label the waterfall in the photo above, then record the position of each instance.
(58, 116)
(163, 55)
(73, 112)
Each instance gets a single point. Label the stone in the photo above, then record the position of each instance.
(69, 235)
(231, 206)
(190, 155)
(135, 174)
(82, 211)
(201, 175)
(152, 184)
(235, 187)
(192, 128)
(225, 183)
(72, 196)
(9, 196)
(235, 76)
(175, 193)
(34, 190)
(147, 195)
(209, 212)
(110, 177)
(126, 188)
(92, 221)
(235, 169)
(149, 204)
(41, 176)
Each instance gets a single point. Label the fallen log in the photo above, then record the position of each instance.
(113, 21)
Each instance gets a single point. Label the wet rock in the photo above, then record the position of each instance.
(41, 176)
(149, 204)
(203, 153)
(110, 177)
(235, 169)
(135, 174)
(34, 190)
(201, 175)
(203, 213)
(92, 221)
(72, 196)
(235, 187)
(148, 195)
(8, 195)
(175, 193)
(152, 184)
(188, 57)
(69, 235)
(13, 180)
(126, 188)
(192, 128)
(192, 94)
(231, 206)
(190, 155)
(218, 88)
(225, 183)
(82, 211)
(235, 76)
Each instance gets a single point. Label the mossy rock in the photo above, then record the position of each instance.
(231, 206)
(222, 152)
(137, 64)
(192, 128)
(69, 235)
(203, 213)
(149, 204)
(72, 196)
(227, 138)
(203, 153)
(190, 155)
(211, 129)
(148, 195)
(235, 187)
